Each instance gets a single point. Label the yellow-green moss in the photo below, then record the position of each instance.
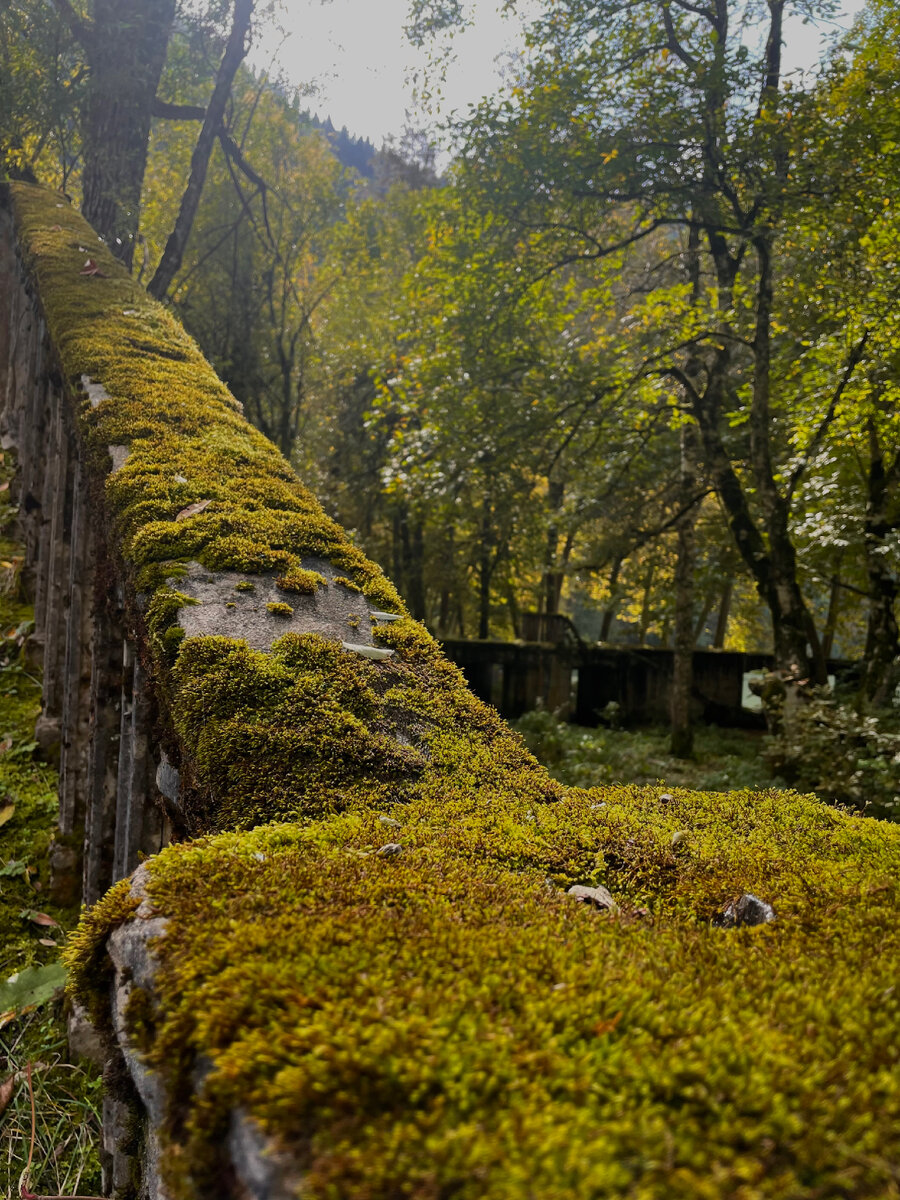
(347, 583)
(279, 609)
(90, 971)
(302, 581)
(447, 1021)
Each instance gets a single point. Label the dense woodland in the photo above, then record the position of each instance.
(633, 356)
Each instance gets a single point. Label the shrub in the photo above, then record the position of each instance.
(845, 756)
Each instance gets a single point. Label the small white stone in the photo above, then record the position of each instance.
(368, 651)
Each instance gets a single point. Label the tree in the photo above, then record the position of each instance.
(675, 119)
(211, 129)
(124, 43)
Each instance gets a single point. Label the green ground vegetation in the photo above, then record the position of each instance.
(67, 1096)
(723, 760)
(825, 745)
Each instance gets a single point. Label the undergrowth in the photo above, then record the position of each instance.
(724, 760)
(67, 1097)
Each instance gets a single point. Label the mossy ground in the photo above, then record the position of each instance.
(67, 1096)
(440, 1020)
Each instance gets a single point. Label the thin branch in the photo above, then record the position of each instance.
(177, 112)
(673, 43)
(818, 437)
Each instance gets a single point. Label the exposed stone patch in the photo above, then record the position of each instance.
(96, 392)
(266, 1174)
(119, 456)
(597, 897)
(224, 605)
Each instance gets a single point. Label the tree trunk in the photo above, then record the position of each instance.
(832, 614)
(773, 566)
(235, 52)
(610, 611)
(645, 603)
(882, 637)
(681, 742)
(485, 570)
(126, 49)
(413, 542)
(722, 618)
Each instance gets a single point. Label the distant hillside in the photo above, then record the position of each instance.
(356, 153)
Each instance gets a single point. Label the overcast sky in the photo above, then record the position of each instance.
(355, 55)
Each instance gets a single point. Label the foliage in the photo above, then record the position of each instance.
(42, 81)
(846, 756)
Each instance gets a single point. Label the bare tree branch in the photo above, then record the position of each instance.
(177, 112)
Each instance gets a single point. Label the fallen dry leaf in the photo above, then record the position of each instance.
(192, 509)
(46, 942)
(6, 812)
(56, 228)
(39, 918)
(4, 487)
(5, 745)
(91, 268)
(7, 1088)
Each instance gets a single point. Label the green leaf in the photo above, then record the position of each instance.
(32, 987)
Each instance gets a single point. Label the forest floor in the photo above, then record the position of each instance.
(67, 1097)
(724, 759)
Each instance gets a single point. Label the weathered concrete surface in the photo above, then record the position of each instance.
(333, 611)
(261, 1171)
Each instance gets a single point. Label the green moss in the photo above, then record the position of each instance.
(245, 586)
(90, 971)
(445, 1021)
(441, 1023)
(279, 609)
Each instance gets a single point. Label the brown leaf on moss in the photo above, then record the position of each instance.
(38, 918)
(192, 509)
(91, 268)
(6, 812)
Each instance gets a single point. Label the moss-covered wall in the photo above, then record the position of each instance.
(369, 951)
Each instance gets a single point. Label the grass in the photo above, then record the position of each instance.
(724, 760)
(67, 1096)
